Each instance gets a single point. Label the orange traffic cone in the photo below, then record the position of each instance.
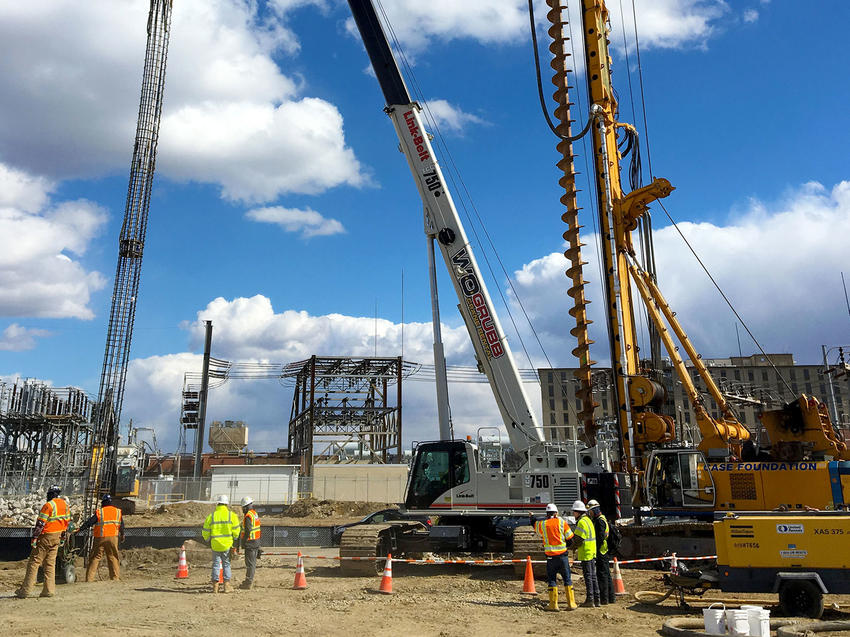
(619, 587)
(386, 586)
(182, 564)
(221, 574)
(300, 579)
(528, 582)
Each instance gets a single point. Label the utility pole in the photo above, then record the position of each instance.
(202, 399)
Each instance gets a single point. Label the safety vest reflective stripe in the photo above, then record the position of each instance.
(108, 521)
(55, 516)
(555, 535)
(221, 531)
(585, 530)
(253, 525)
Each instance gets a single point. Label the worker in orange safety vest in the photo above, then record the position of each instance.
(108, 523)
(47, 537)
(556, 533)
(249, 539)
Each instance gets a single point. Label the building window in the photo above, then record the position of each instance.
(551, 404)
(806, 374)
(551, 390)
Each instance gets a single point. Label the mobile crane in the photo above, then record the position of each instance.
(469, 485)
(804, 465)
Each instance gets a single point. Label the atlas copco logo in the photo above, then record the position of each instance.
(477, 305)
(417, 136)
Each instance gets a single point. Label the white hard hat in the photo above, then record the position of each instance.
(223, 499)
(551, 508)
(247, 500)
(593, 504)
(578, 505)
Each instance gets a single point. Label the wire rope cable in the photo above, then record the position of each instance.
(725, 298)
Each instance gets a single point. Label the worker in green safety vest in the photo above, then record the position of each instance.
(221, 530)
(585, 538)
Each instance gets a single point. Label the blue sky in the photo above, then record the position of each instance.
(283, 211)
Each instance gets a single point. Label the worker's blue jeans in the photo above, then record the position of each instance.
(221, 559)
(558, 564)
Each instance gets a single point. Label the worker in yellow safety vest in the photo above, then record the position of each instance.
(556, 533)
(221, 530)
(250, 540)
(108, 523)
(603, 569)
(586, 553)
(47, 537)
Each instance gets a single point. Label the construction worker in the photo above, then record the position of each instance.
(221, 530)
(556, 533)
(603, 569)
(108, 523)
(585, 538)
(249, 540)
(47, 537)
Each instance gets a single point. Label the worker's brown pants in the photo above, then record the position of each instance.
(44, 554)
(108, 545)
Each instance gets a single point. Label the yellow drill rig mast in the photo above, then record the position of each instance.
(682, 480)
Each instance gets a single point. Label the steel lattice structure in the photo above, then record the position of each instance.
(130, 250)
(340, 402)
(45, 437)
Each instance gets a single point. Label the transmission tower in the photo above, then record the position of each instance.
(131, 245)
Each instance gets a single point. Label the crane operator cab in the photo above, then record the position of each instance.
(677, 480)
(438, 470)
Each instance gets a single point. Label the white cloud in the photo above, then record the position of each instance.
(661, 23)
(72, 72)
(38, 276)
(18, 339)
(778, 262)
(750, 15)
(249, 329)
(450, 117)
(308, 222)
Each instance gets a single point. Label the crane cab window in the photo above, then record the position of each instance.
(438, 467)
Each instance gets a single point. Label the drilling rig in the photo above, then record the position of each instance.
(801, 463)
(114, 469)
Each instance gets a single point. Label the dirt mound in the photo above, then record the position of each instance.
(322, 509)
(179, 513)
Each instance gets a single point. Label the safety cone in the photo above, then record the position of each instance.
(528, 582)
(300, 580)
(619, 587)
(386, 586)
(182, 564)
(221, 574)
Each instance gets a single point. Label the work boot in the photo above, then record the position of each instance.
(46, 594)
(597, 603)
(553, 599)
(227, 587)
(20, 594)
(247, 585)
(570, 596)
(215, 587)
(588, 603)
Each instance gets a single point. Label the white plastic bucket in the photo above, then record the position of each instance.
(737, 622)
(714, 619)
(759, 620)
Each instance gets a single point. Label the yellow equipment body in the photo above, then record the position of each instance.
(761, 552)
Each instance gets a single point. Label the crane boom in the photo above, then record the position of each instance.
(442, 221)
(131, 244)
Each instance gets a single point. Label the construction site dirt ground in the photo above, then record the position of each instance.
(427, 600)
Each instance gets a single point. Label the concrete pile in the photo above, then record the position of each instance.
(23, 510)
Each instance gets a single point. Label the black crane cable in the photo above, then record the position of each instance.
(540, 95)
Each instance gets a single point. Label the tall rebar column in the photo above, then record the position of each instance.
(571, 217)
(130, 249)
